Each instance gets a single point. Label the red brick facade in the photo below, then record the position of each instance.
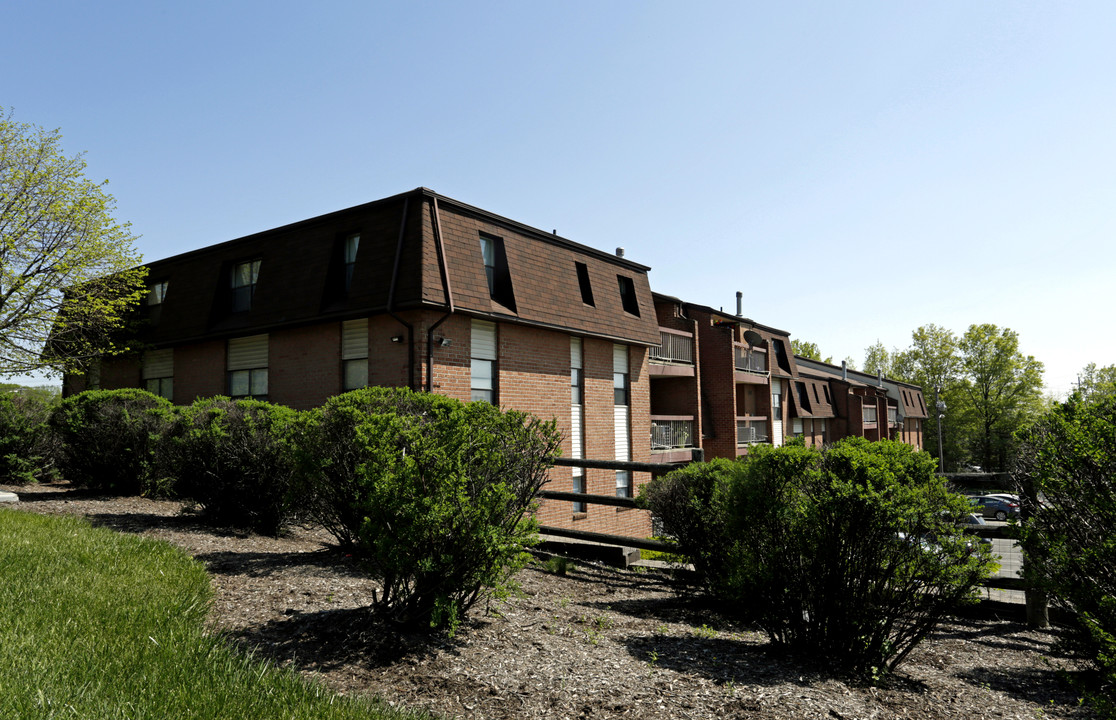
(697, 378)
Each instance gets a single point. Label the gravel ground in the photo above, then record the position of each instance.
(595, 643)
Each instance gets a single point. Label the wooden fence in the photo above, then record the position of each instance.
(1000, 583)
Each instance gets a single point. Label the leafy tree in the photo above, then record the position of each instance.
(1001, 389)
(933, 363)
(877, 359)
(1068, 458)
(1094, 383)
(68, 270)
(807, 349)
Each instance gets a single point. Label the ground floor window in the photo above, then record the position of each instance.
(247, 367)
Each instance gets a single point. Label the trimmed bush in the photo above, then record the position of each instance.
(236, 460)
(24, 440)
(1068, 458)
(432, 493)
(849, 556)
(106, 440)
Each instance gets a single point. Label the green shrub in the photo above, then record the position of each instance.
(236, 460)
(431, 492)
(686, 501)
(1068, 458)
(106, 440)
(849, 556)
(24, 442)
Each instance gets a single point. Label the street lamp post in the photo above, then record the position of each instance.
(940, 406)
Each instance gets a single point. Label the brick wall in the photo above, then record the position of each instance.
(199, 371)
(304, 365)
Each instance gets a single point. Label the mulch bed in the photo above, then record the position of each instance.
(595, 643)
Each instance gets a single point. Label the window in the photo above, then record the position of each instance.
(825, 389)
(243, 284)
(803, 396)
(624, 483)
(352, 242)
(488, 253)
(621, 389)
(158, 372)
(621, 399)
(483, 361)
(628, 295)
(815, 386)
(496, 271)
(781, 354)
(156, 293)
(247, 367)
(577, 431)
(354, 354)
(796, 428)
(583, 282)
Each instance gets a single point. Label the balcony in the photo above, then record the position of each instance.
(672, 438)
(750, 365)
(750, 430)
(674, 355)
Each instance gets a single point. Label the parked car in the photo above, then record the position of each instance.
(973, 520)
(1004, 496)
(994, 507)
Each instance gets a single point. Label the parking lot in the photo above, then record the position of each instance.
(1011, 565)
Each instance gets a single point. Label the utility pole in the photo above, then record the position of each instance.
(940, 406)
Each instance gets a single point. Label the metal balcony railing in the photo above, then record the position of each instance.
(672, 434)
(673, 348)
(753, 362)
(750, 432)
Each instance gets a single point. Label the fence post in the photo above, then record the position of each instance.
(1038, 610)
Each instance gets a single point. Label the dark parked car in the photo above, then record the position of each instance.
(995, 507)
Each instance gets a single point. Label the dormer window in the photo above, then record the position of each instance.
(243, 285)
(583, 282)
(352, 243)
(496, 271)
(488, 254)
(156, 293)
(628, 295)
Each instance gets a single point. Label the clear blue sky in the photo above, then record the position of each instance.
(856, 169)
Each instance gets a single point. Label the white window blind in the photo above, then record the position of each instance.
(248, 352)
(484, 340)
(158, 363)
(620, 359)
(354, 339)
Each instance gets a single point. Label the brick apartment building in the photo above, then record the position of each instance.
(422, 291)
(725, 383)
(870, 406)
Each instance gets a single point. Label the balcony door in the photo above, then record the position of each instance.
(776, 412)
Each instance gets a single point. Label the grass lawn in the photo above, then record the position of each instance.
(97, 624)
